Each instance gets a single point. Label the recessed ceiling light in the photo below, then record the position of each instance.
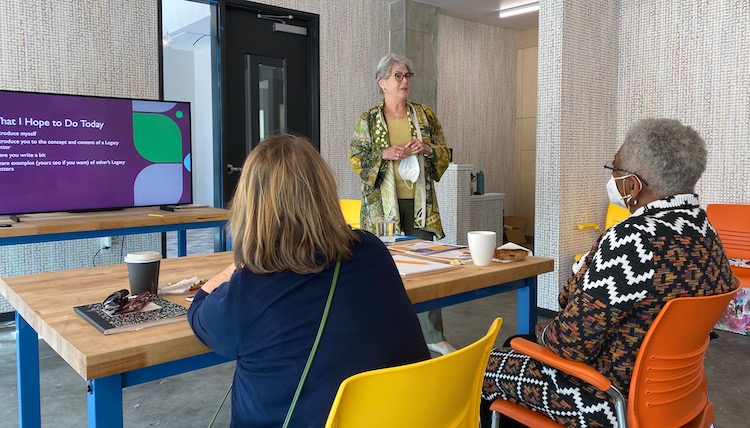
(526, 8)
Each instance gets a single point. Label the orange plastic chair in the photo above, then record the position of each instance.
(441, 392)
(732, 223)
(668, 387)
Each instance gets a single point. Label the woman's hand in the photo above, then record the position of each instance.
(415, 146)
(219, 279)
(396, 153)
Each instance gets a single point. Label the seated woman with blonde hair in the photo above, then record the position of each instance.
(287, 234)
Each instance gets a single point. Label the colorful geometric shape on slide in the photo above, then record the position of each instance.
(158, 184)
(187, 163)
(152, 106)
(157, 137)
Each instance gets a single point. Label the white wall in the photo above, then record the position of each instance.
(682, 59)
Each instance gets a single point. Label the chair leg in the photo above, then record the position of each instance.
(495, 420)
(500, 420)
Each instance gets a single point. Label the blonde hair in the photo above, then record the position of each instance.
(285, 213)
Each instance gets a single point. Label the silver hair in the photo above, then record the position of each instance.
(387, 62)
(668, 155)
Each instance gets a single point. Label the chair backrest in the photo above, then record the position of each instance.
(351, 208)
(615, 215)
(668, 384)
(732, 223)
(440, 392)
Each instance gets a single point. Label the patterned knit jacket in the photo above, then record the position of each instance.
(664, 250)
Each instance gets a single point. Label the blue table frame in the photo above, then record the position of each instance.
(105, 393)
(180, 228)
(526, 303)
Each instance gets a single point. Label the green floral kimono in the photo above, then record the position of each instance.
(378, 175)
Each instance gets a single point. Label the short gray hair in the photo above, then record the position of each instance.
(387, 62)
(670, 156)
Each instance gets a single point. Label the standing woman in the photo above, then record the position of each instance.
(384, 137)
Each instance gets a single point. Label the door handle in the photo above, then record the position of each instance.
(232, 169)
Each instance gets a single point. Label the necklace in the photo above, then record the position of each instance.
(396, 114)
(380, 138)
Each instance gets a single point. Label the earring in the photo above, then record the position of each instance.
(634, 202)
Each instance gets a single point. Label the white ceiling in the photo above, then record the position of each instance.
(486, 12)
(187, 24)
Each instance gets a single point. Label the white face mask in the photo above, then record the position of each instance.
(614, 193)
(409, 168)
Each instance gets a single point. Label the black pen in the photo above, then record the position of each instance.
(6, 225)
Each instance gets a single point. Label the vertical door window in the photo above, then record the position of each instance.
(265, 95)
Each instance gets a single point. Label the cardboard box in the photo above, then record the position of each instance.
(514, 229)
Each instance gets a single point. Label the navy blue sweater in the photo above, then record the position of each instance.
(268, 324)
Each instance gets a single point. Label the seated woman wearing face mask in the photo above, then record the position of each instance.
(665, 249)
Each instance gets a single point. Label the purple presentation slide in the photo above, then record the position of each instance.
(71, 153)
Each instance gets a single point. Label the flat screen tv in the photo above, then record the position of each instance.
(81, 153)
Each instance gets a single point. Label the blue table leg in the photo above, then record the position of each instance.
(181, 243)
(221, 240)
(27, 363)
(105, 402)
(526, 302)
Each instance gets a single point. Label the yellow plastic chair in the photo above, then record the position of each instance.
(351, 209)
(441, 392)
(615, 215)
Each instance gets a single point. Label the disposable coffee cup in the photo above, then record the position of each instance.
(482, 246)
(143, 271)
(386, 231)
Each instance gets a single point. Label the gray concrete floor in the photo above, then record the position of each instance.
(191, 400)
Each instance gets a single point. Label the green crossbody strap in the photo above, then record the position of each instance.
(315, 344)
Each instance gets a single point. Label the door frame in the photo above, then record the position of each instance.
(312, 23)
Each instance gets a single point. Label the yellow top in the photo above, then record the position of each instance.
(399, 133)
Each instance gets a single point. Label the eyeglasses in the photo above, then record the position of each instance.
(115, 301)
(118, 302)
(400, 76)
(611, 167)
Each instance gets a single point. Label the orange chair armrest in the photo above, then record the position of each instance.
(574, 368)
(523, 415)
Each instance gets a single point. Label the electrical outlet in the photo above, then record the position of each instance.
(105, 242)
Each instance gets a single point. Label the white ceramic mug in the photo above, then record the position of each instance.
(482, 246)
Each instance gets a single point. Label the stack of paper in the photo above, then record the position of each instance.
(411, 265)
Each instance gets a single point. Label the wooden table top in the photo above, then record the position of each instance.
(46, 302)
(63, 222)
